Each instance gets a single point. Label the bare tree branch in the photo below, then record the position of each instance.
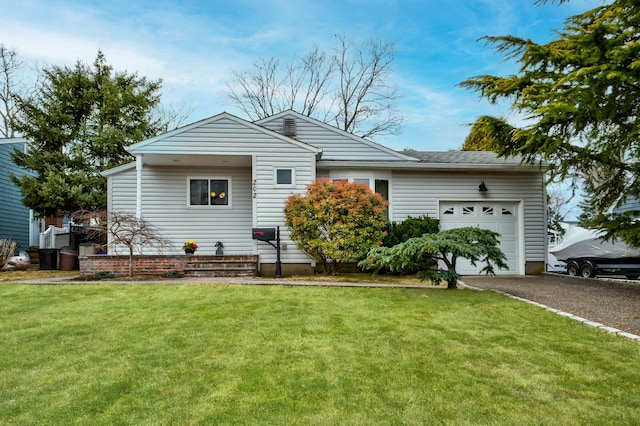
(172, 117)
(125, 230)
(349, 87)
(12, 87)
(257, 89)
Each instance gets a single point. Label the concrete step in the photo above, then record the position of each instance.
(222, 266)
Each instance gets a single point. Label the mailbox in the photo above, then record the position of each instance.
(264, 234)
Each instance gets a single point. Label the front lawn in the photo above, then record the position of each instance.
(205, 354)
(34, 274)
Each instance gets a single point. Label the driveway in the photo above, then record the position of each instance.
(615, 303)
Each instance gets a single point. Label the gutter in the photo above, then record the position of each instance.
(395, 165)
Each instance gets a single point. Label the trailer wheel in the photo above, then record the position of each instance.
(587, 270)
(632, 276)
(572, 268)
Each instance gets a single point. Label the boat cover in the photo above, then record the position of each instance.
(580, 242)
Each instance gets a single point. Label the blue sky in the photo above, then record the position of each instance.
(194, 46)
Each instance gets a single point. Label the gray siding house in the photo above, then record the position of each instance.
(16, 220)
(216, 179)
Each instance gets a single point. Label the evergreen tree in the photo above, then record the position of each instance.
(486, 134)
(79, 124)
(446, 247)
(580, 95)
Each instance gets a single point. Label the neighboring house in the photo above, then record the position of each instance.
(631, 204)
(17, 222)
(216, 179)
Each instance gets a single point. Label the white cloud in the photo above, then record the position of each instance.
(193, 46)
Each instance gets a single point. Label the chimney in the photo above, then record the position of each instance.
(289, 127)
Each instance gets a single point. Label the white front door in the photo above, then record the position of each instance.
(500, 217)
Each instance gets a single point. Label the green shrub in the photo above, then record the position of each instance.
(103, 275)
(172, 274)
(399, 232)
(336, 222)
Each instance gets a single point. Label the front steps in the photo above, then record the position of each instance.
(34, 257)
(222, 266)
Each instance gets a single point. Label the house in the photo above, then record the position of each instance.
(17, 222)
(217, 179)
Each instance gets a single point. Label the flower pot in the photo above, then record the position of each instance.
(187, 251)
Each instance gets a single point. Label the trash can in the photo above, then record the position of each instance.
(87, 249)
(68, 259)
(48, 259)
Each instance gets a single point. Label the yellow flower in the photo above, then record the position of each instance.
(190, 245)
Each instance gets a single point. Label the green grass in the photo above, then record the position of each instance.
(191, 354)
(32, 274)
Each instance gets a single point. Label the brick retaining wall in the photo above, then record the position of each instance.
(118, 265)
(142, 264)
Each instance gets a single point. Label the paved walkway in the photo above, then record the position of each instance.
(225, 280)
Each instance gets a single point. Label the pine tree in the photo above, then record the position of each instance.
(580, 95)
(79, 124)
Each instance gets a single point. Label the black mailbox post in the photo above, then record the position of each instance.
(268, 235)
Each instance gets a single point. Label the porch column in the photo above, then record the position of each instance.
(138, 186)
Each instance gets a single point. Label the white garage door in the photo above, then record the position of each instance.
(498, 217)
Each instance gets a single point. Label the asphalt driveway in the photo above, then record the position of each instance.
(615, 303)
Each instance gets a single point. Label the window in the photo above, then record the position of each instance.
(467, 210)
(284, 176)
(209, 192)
(487, 211)
(378, 181)
(506, 212)
(382, 188)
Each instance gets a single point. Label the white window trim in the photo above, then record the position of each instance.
(350, 175)
(284, 185)
(210, 206)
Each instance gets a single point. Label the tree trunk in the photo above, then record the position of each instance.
(452, 284)
(130, 262)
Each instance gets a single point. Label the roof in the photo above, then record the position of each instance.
(7, 141)
(155, 144)
(346, 136)
(444, 160)
(463, 157)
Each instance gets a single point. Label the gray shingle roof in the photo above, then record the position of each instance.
(462, 157)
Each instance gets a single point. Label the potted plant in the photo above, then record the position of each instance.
(190, 247)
